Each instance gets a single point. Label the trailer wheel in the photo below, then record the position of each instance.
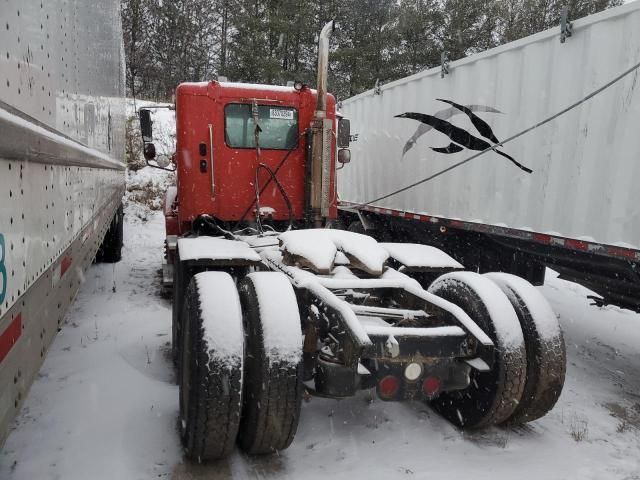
(211, 369)
(546, 352)
(110, 250)
(273, 365)
(493, 396)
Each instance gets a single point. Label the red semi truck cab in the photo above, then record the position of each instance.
(217, 160)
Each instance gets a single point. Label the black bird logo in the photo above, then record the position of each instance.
(458, 135)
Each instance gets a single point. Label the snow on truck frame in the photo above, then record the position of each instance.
(577, 211)
(269, 300)
(62, 117)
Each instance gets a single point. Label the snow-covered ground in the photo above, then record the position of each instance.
(105, 403)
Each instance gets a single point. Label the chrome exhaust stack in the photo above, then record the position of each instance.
(322, 130)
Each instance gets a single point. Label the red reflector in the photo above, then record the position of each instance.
(388, 386)
(65, 264)
(576, 244)
(431, 385)
(10, 336)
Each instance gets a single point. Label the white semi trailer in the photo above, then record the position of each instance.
(564, 194)
(62, 118)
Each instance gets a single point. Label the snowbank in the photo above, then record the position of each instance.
(145, 191)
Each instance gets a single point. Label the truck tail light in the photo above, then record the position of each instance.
(388, 386)
(431, 385)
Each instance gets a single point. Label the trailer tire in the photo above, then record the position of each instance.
(273, 386)
(491, 397)
(544, 342)
(110, 250)
(211, 374)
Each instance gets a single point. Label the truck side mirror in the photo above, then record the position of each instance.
(344, 155)
(344, 133)
(149, 151)
(146, 125)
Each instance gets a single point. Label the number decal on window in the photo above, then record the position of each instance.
(3, 270)
(281, 113)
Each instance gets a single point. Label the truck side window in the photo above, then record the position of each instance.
(279, 126)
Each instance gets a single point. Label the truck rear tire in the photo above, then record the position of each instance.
(178, 294)
(273, 367)
(491, 397)
(546, 352)
(110, 250)
(211, 370)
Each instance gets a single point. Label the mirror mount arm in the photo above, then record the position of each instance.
(173, 167)
(166, 169)
(149, 149)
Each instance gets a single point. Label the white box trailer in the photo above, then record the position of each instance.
(62, 124)
(579, 208)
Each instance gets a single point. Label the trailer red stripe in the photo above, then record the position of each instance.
(65, 264)
(622, 252)
(575, 244)
(10, 336)
(542, 238)
(570, 243)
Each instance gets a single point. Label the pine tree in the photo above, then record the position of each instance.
(135, 31)
(275, 41)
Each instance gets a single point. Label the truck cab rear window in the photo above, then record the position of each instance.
(279, 127)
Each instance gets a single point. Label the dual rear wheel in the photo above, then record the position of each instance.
(239, 372)
(240, 359)
(529, 360)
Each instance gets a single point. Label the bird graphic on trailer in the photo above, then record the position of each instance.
(460, 138)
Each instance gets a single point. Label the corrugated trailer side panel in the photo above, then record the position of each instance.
(62, 117)
(584, 163)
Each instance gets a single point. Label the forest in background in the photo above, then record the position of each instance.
(275, 41)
